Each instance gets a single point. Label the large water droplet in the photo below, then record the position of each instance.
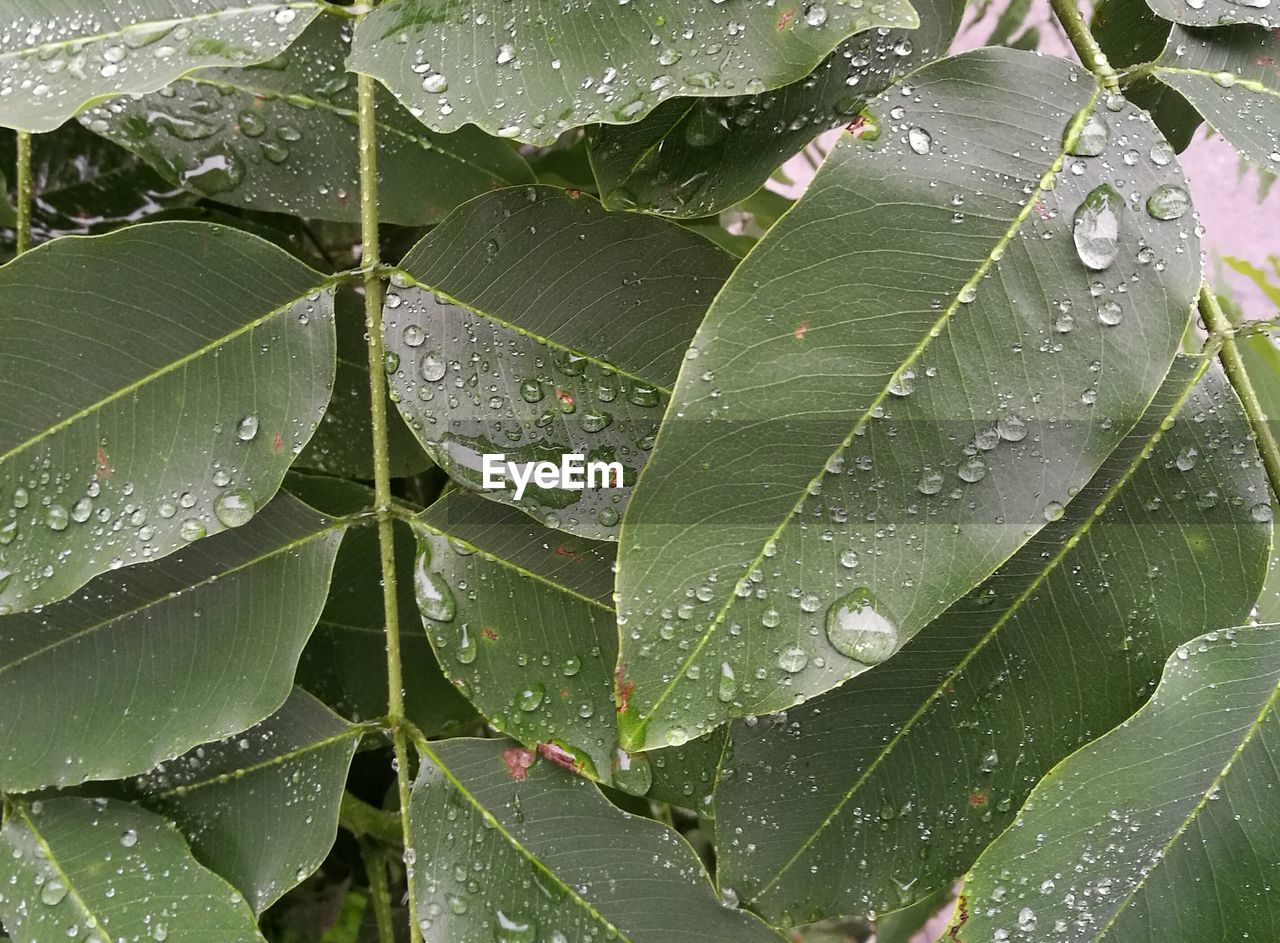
(435, 598)
(1096, 228)
(235, 508)
(857, 630)
(1092, 139)
(632, 773)
(1168, 202)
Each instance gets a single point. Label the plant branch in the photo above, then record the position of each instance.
(1086, 47)
(1221, 328)
(367, 821)
(375, 867)
(369, 261)
(24, 192)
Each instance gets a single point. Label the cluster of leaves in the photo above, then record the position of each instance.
(925, 479)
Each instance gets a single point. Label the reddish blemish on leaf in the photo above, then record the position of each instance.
(489, 634)
(563, 551)
(858, 125)
(624, 687)
(786, 18)
(565, 397)
(558, 755)
(962, 917)
(801, 328)
(1042, 211)
(277, 442)
(518, 761)
(574, 194)
(978, 799)
(102, 469)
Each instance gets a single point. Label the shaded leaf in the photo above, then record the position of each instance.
(913, 768)
(261, 807)
(532, 74)
(57, 58)
(1164, 829)
(533, 324)
(902, 382)
(1216, 13)
(282, 137)
(149, 661)
(345, 661)
(686, 775)
(519, 617)
(697, 156)
(1229, 76)
(110, 871)
(610, 874)
(155, 384)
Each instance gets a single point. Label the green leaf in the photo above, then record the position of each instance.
(149, 661)
(56, 58)
(1229, 76)
(345, 661)
(520, 619)
(342, 444)
(697, 156)
(1164, 829)
(532, 324)
(155, 384)
(534, 72)
(98, 870)
(916, 766)
(561, 862)
(898, 387)
(902, 926)
(1266, 282)
(1216, 13)
(261, 807)
(685, 776)
(282, 137)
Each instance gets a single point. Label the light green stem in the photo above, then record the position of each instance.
(24, 192)
(1086, 47)
(1233, 366)
(375, 866)
(369, 261)
(366, 821)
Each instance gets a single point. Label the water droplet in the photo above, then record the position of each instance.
(129, 838)
(1092, 138)
(506, 53)
(432, 366)
(53, 892)
(793, 658)
(815, 14)
(1168, 202)
(1096, 228)
(57, 517)
(919, 140)
(930, 482)
(1162, 153)
(1261, 513)
(857, 630)
(1053, 511)
(435, 598)
(235, 508)
(728, 685)
(435, 83)
(247, 428)
(849, 559)
(1110, 313)
(413, 336)
(192, 529)
(531, 698)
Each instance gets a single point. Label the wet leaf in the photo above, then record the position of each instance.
(532, 324)
(106, 870)
(260, 808)
(282, 137)
(519, 617)
(155, 384)
(884, 364)
(57, 58)
(148, 661)
(531, 74)
(697, 156)
(1230, 77)
(1216, 13)
(915, 767)
(1162, 829)
(559, 861)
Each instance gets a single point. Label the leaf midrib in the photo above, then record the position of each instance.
(1014, 607)
(935, 330)
(1251, 85)
(54, 863)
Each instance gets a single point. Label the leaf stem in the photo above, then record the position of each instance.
(369, 261)
(24, 192)
(1220, 327)
(1086, 47)
(367, 821)
(375, 866)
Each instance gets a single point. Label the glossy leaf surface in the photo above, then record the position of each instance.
(915, 367)
(149, 661)
(139, 412)
(57, 57)
(492, 803)
(282, 137)
(98, 869)
(1217, 13)
(532, 324)
(535, 71)
(887, 788)
(1164, 829)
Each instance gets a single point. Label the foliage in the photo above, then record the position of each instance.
(922, 479)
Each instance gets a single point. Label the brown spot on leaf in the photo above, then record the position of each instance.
(518, 761)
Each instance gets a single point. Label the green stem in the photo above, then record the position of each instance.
(375, 866)
(1233, 365)
(370, 262)
(1085, 45)
(366, 821)
(24, 192)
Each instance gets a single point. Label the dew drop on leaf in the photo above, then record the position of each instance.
(1096, 228)
(857, 630)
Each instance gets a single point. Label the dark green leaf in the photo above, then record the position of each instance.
(902, 926)
(1164, 829)
(282, 137)
(261, 807)
(343, 441)
(1215, 12)
(532, 72)
(1230, 77)
(148, 661)
(923, 360)
(531, 323)
(914, 767)
(345, 662)
(520, 619)
(697, 156)
(57, 58)
(98, 870)
(155, 384)
(560, 863)
(686, 775)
